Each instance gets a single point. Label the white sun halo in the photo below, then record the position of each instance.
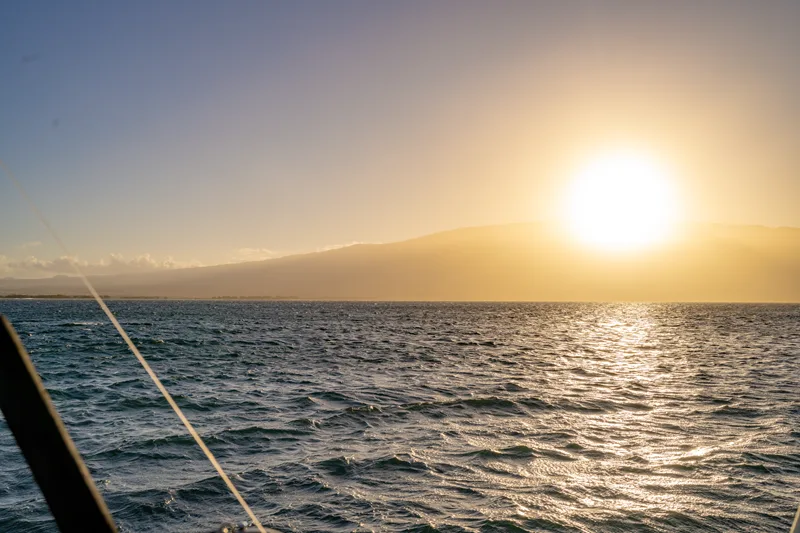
(621, 200)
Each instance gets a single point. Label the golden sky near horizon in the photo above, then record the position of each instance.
(167, 137)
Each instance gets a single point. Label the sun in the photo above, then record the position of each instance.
(621, 200)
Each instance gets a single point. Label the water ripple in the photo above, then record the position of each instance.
(425, 417)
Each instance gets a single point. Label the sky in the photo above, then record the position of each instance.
(164, 134)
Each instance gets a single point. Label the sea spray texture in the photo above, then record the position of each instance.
(424, 417)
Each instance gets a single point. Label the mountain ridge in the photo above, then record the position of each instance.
(508, 262)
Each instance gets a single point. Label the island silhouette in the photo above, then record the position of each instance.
(511, 262)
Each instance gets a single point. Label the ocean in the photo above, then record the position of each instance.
(424, 417)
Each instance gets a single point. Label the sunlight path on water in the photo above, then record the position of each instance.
(133, 347)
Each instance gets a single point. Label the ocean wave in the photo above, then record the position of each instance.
(341, 417)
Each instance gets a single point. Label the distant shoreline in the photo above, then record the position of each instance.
(110, 297)
(76, 297)
(170, 298)
(375, 300)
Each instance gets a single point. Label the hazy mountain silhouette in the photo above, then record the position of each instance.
(507, 262)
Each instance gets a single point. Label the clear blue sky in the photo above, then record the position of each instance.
(218, 131)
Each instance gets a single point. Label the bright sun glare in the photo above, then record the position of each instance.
(621, 200)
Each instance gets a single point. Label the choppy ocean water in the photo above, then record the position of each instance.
(425, 417)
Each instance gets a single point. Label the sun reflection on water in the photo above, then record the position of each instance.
(624, 368)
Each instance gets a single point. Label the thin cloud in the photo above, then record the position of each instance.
(337, 246)
(243, 255)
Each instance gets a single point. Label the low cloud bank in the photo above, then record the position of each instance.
(34, 267)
